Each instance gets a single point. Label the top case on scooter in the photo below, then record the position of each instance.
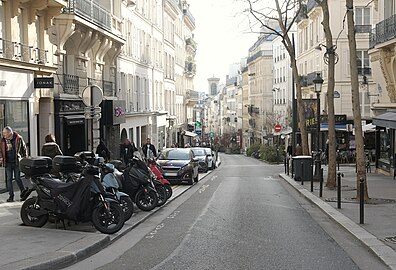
(35, 166)
(65, 164)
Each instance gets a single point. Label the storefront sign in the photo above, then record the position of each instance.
(113, 112)
(44, 82)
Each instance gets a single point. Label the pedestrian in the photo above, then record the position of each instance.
(126, 150)
(12, 149)
(149, 150)
(50, 147)
(103, 151)
(298, 150)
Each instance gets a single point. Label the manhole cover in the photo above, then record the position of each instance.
(372, 201)
(390, 239)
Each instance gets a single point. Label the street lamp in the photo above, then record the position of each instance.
(318, 83)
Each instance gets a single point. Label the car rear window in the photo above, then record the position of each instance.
(175, 155)
(199, 152)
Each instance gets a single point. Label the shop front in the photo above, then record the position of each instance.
(385, 142)
(17, 108)
(70, 126)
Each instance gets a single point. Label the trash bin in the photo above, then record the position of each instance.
(302, 168)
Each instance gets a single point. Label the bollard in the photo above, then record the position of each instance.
(287, 165)
(321, 183)
(302, 173)
(292, 169)
(361, 200)
(311, 176)
(277, 155)
(339, 190)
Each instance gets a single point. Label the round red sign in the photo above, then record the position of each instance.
(278, 128)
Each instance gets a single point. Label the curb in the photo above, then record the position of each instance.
(68, 255)
(385, 253)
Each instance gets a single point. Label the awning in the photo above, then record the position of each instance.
(341, 127)
(387, 120)
(367, 128)
(190, 134)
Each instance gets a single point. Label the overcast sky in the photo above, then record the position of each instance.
(222, 34)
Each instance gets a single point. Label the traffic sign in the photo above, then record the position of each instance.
(278, 128)
(92, 95)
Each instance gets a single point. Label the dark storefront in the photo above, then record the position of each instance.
(385, 141)
(113, 114)
(70, 126)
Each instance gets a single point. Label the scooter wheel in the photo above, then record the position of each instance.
(162, 196)
(110, 221)
(127, 206)
(169, 191)
(146, 201)
(32, 221)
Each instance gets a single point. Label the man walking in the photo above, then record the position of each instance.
(12, 150)
(149, 149)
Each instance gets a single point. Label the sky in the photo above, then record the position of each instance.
(223, 35)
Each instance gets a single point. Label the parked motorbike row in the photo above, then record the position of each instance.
(84, 188)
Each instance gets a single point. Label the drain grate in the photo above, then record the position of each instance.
(390, 239)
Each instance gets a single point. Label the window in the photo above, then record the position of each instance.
(388, 9)
(363, 62)
(362, 16)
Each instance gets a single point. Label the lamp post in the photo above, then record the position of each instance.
(318, 82)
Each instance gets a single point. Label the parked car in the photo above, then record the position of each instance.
(200, 153)
(179, 164)
(211, 158)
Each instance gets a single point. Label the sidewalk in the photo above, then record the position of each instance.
(379, 231)
(49, 247)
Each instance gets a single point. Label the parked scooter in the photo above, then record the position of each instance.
(84, 200)
(137, 183)
(112, 186)
(156, 169)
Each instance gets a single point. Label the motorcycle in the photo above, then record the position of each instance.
(112, 186)
(137, 183)
(84, 200)
(156, 169)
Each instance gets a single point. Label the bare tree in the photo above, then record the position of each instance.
(360, 157)
(330, 60)
(284, 15)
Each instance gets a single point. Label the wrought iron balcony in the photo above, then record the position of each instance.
(91, 11)
(107, 86)
(362, 28)
(71, 84)
(364, 71)
(384, 31)
(21, 52)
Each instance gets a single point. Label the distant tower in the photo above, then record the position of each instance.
(213, 86)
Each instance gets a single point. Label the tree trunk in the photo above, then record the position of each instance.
(360, 157)
(331, 175)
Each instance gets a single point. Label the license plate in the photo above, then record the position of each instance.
(171, 174)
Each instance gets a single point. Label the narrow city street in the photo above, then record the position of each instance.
(241, 216)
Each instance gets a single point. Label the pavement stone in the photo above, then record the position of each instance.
(379, 218)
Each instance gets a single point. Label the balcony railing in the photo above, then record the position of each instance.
(107, 86)
(363, 28)
(384, 31)
(71, 84)
(21, 52)
(91, 11)
(364, 71)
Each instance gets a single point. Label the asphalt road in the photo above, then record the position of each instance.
(239, 217)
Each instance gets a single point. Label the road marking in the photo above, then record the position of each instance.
(213, 177)
(155, 231)
(203, 188)
(174, 214)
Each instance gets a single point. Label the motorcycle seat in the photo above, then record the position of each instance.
(53, 183)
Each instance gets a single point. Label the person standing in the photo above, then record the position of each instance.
(149, 150)
(126, 150)
(12, 150)
(50, 148)
(103, 151)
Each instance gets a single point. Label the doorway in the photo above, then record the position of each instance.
(74, 139)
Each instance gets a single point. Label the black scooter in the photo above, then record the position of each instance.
(84, 200)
